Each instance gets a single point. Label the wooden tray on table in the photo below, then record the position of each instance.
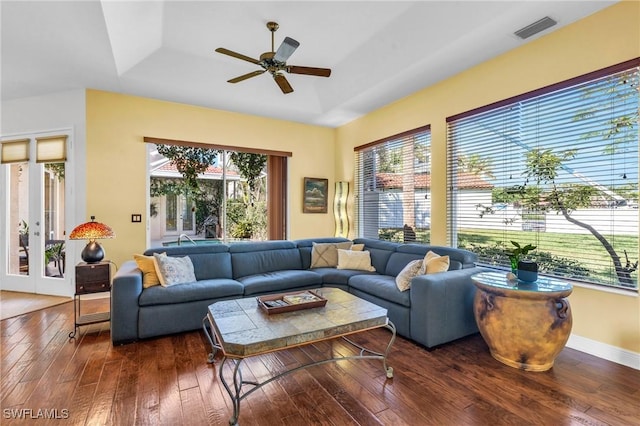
(288, 302)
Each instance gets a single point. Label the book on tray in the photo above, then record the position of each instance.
(295, 299)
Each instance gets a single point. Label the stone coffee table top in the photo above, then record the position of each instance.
(243, 329)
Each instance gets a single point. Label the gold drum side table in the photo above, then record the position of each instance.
(525, 325)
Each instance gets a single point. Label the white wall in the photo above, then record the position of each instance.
(56, 111)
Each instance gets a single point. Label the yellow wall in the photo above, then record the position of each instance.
(603, 39)
(116, 159)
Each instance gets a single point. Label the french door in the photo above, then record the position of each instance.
(33, 198)
(179, 215)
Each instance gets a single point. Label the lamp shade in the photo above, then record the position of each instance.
(92, 231)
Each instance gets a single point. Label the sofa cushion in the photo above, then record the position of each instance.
(174, 270)
(397, 262)
(459, 258)
(382, 286)
(359, 260)
(325, 255)
(256, 258)
(279, 281)
(199, 290)
(338, 276)
(380, 252)
(209, 261)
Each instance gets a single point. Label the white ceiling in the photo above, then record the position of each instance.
(379, 51)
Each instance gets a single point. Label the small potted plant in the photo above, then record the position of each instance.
(526, 270)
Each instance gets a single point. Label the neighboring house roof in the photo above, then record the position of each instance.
(423, 181)
(169, 170)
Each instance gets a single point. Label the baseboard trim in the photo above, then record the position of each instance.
(605, 351)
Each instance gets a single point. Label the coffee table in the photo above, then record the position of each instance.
(239, 328)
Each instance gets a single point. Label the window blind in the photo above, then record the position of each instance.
(51, 149)
(15, 151)
(556, 169)
(392, 186)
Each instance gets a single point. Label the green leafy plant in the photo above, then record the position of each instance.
(516, 253)
(52, 252)
(190, 161)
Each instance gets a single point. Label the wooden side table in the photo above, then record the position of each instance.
(90, 278)
(525, 325)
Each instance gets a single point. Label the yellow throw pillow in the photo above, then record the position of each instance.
(359, 260)
(434, 263)
(357, 247)
(147, 265)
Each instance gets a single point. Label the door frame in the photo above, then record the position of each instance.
(37, 282)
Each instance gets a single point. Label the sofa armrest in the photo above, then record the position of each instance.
(442, 306)
(125, 291)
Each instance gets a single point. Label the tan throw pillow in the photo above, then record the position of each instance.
(357, 247)
(147, 264)
(413, 268)
(174, 270)
(325, 255)
(359, 260)
(434, 263)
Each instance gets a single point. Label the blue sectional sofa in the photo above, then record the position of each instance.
(438, 308)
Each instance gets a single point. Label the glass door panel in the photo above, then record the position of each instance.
(187, 215)
(54, 224)
(18, 203)
(171, 216)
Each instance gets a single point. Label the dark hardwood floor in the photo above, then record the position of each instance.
(167, 381)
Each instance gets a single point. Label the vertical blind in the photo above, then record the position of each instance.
(557, 169)
(392, 186)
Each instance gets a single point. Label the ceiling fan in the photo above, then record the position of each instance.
(275, 62)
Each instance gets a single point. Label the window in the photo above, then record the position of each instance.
(556, 168)
(216, 192)
(392, 187)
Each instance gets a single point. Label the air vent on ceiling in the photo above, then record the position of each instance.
(535, 28)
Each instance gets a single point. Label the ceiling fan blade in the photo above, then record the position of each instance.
(286, 49)
(237, 55)
(283, 83)
(245, 76)
(319, 72)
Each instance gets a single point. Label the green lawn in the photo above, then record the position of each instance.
(557, 244)
(560, 248)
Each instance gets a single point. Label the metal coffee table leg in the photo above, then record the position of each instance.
(235, 390)
(377, 355)
(213, 340)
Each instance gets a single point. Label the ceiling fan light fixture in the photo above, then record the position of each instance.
(286, 49)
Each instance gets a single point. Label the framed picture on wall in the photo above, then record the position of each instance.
(314, 199)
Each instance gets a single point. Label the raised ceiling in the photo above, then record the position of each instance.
(379, 51)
